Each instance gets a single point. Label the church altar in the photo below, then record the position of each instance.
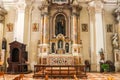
(58, 59)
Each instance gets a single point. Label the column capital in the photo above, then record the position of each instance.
(91, 10)
(21, 6)
(97, 5)
(76, 9)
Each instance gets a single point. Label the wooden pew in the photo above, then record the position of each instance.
(59, 70)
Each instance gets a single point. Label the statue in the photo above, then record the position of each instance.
(4, 43)
(60, 44)
(115, 40)
(101, 54)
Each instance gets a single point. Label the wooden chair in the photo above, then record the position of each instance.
(46, 77)
(2, 74)
(75, 77)
(20, 77)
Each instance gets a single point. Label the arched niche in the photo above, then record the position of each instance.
(60, 23)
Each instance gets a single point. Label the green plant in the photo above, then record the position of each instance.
(105, 67)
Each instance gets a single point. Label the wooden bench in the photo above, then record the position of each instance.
(59, 70)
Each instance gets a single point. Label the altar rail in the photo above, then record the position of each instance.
(59, 70)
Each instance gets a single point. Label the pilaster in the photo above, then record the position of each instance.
(93, 58)
(75, 33)
(28, 13)
(96, 29)
(19, 29)
(43, 46)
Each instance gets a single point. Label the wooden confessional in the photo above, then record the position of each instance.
(18, 58)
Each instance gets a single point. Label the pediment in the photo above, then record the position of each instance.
(16, 43)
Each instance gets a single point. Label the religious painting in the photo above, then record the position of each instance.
(109, 28)
(35, 27)
(60, 24)
(10, 27)
(84, 27)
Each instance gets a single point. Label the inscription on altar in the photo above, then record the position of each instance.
(60, 60)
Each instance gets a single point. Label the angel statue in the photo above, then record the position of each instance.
(115, 40)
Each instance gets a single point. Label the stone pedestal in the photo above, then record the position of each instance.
(117, 60)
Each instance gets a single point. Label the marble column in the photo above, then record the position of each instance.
(74, 26)
(41, 28)
(96, 33)
(92, 37)
(74, 34)
(46, 29)
(27, 24)
(19, 29)
(27, 30)
(44, 46)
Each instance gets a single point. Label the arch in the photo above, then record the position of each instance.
(60, 24)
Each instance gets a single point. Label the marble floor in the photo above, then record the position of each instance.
(91, 76)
